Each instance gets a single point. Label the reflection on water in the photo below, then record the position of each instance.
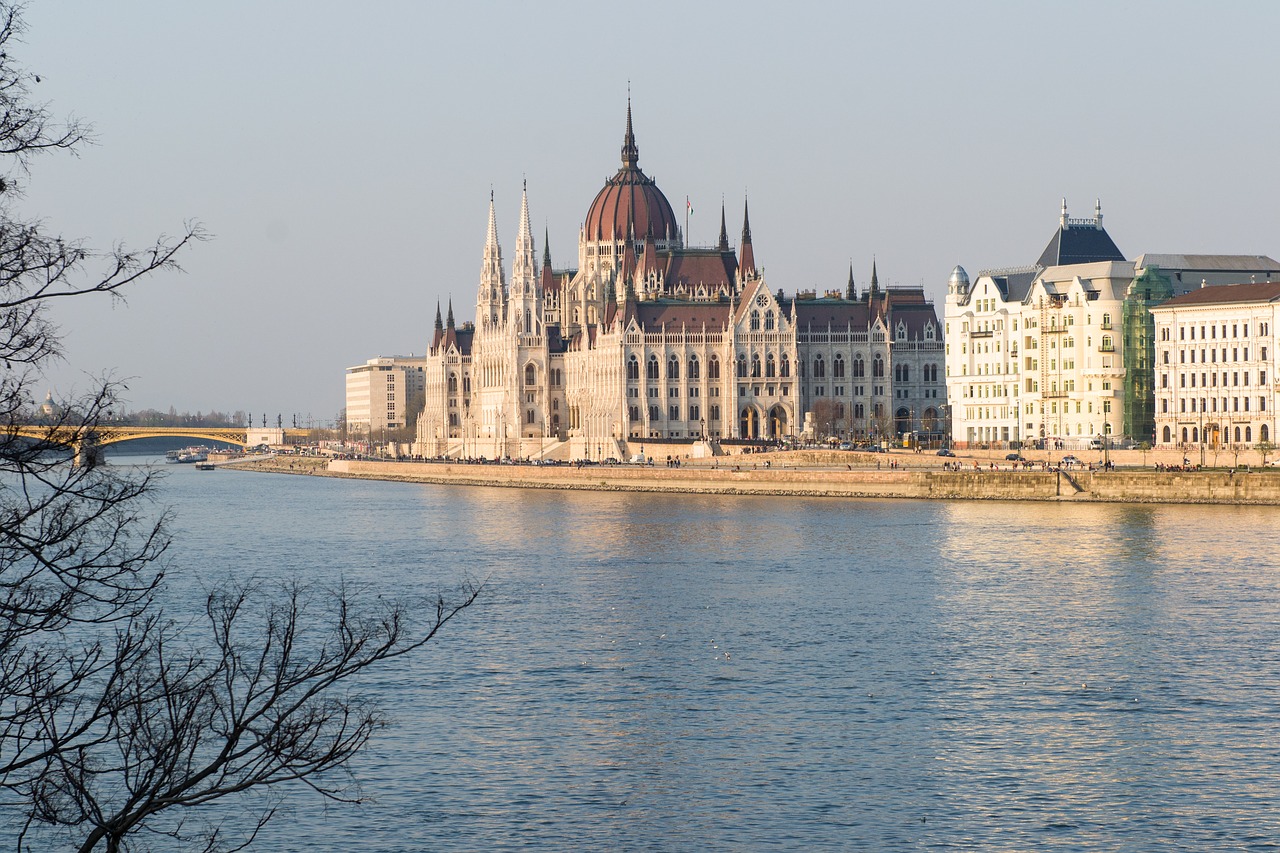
(658, 672)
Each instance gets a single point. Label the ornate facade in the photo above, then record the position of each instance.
(648, 338)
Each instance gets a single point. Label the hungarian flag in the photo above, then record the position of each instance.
(688, 205)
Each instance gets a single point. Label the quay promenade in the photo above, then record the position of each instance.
(820, 474)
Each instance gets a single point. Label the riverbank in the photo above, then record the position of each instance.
(813, 474)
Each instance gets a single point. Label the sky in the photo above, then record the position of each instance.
(341, 155)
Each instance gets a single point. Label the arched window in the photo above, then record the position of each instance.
(770, 367)
(755, 321)
(713, 367)
(530, 375)
(819, 367)
(1168, 436)
(651, 369)
(877, 368)
(673, 368)
(906, 373)
(742, 367)
(859, 367)
(785, 370)
(755, 365)
(633, 368)
(768, 322)
(693, 367)
(1184, 435)
(453, 383)
(837, 368)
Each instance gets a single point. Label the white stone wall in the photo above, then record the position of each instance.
(1215, 375)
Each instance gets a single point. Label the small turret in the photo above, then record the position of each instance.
(958, 284)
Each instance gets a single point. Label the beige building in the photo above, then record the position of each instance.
(648, 339)
(1216, 367)
(1033, 353)
(384, 394)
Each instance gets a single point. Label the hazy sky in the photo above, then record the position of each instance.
(341, 154)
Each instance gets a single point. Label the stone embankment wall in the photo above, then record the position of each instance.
(1259, 487)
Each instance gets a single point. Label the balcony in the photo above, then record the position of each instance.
(1107, 347)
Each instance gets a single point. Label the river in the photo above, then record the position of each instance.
(670, 672)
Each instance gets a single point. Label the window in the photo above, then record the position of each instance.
(755, 365)
(651, 369)
(633, 369)
(837, 368)
(674, 412)
(693, 367)
(877, 368)
(742, 367)
(770, 368)
(768, 321)
(858, 367)
(755, 321)
(785, 369)
(819, 368)
(530, 375)
(713, 368)
(673, 368)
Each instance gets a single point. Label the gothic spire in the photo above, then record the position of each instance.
(724, 233)
(439, 322)
(630, 154)
(449, 322)
(546, 249)
(851, 293)
(491, 299)
(747, 263)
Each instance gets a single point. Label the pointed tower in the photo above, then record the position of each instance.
(723, 245)
(491, 301)
(525, 302)
(747, 263)
(851, 291)
(439, 333)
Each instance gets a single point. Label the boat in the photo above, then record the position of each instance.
(187, 454)
(206, 466)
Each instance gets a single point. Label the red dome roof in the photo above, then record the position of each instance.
(630, 202)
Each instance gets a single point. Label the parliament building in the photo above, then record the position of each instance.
(650, 340)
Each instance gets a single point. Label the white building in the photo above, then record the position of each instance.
(648, 339)
(384, 394)
(1032, 352)
(1216, 367)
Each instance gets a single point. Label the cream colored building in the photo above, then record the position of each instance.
(1033, 353)
(384, 394)
(649, 340)
(1216, 367)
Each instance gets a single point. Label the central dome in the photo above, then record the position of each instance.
(630, 202)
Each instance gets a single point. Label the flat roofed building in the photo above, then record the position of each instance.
(1215, 367)
(384, 394)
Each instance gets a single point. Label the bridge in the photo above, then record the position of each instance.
(100, 436)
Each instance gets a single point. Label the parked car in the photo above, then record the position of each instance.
(945, 452)
(1070, 460)
(1014, 457)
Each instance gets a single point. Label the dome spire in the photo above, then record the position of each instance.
(630, 154)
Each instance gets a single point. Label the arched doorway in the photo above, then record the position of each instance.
(749, 423)
(901, 421)
(777, 422)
